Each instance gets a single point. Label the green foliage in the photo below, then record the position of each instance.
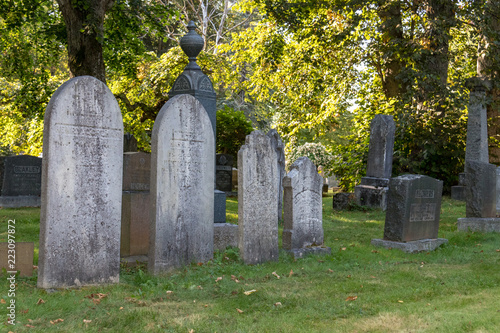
(316, 152)
(232, 129)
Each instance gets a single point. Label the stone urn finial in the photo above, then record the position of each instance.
(192, 44)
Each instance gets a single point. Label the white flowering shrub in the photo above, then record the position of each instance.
(316, 152)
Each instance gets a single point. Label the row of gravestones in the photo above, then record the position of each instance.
(82, 190)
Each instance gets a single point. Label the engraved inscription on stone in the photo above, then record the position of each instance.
(422, 212)
(424, 193)
(22, 176)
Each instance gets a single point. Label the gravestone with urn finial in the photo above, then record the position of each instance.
(194, 82)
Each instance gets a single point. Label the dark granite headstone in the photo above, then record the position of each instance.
(129, 143)
(224, 172)
(413, 208)
(480, 189)
(136, 171)
(22, 176)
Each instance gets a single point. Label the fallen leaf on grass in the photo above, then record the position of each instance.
(239, 311)
(400, 302)
(275, 274)
(278, 304)
(351, 298)
(56, 321)
(169, 291)
(249, 292)
(235, 279)
(2, 301)
(218, 279)
(40, 301)
(343, 249)
(498, 250)
(121, 308)
(200, 287)
(35, 267)
(291, 273)
(30, 326)
(330, 270)
(373, 277)
(86, 321)
(374, 251)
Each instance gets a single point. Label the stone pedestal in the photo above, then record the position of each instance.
(20, 201)
(219, 206)
(479, 224)
(134, 238)
(458, 191)
(225, 234)
(372, 192)
(421, 245)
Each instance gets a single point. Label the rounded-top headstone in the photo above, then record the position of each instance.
(81, 186)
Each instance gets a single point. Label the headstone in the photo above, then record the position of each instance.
(373, 189)
(412, 217)
(477, 131)
(303, 217)
(279, 147)
(194, 82)
(129, 143)
(224, 172)
(480, 197)
(341, 200)
(20, 260)
(182, 186)
(134, 240)
(81, 186)
(22, 181)
(257, 204)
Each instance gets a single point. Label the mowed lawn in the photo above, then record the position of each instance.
(358, 288)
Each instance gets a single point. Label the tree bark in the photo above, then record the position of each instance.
(392, 38)
(85, 25)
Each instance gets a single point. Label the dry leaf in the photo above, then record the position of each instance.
(96, 300)
(218, 279)
(400, 302)
(30, 326)
(344, 248)
(348, 276)
(249, 292)
(373, 277)
(374, 251)
(40, 301)
(239, 311)
(200, 287)
(35, 267)
(56, 321)
(277, 304)
(351, 298)
(330, 270)
(235, 279)
(275, 274)
(191, 331)
(2, 301)
(291, 273)
(169, 291)
(121, 307)
(86, 321)
(498, 250)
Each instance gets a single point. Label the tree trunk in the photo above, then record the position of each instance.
(488, 66)
(84, 26)
(392, 36)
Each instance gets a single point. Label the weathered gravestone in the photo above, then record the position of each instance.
(22, 181)
(257, 204)
(182, 186)
(303, 217)
(279, 147)
(129, 143)
(224, 172)
(476, 149)
(136, 208)
(373, 189)
(498, 190)
(480, 197)
(81, 186)
(412, 217)
(342, 200)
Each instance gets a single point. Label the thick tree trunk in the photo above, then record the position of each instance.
(488, 65)
(84, 25)
(392, 36)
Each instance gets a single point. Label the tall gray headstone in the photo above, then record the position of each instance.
(303, 217)
(413, 211)
(498, 190)
(280, 159)
(372, 191)
(257, 204)
(81, 186)
(477, 131)
(182, 186)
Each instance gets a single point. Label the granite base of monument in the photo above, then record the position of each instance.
(371, 196)
(20, 201)
(481, 224)
(420, 245)
(134, 261)
(458, 192)
(225, 234)
(311, 250)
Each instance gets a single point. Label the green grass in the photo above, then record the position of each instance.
(453, 289)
